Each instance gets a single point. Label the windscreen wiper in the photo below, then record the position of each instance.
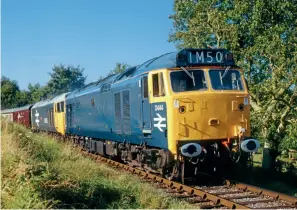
(225, 72)
(190, 75)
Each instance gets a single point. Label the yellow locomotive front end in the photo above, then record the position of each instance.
(210, 108)
(208, 113)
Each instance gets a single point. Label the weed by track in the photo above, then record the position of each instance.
(39, 172)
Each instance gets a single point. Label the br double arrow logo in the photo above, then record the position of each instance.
(160, 123)
(20, 116)
(36, 118)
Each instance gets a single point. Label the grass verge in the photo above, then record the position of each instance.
(38, 172)
(282, 180)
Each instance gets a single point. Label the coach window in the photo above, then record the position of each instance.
(158, 85)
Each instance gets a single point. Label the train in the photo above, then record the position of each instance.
(178, 114)
(21, 115)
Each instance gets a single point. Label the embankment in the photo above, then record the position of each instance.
(39, 172)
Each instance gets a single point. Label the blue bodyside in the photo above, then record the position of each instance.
(41, 114)
(96, 113)
(98, 119)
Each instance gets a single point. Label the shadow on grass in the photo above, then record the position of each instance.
(82, 196)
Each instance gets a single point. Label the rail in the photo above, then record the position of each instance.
(232, 194)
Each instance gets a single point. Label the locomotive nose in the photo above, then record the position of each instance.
(191, 150)
(250, 145)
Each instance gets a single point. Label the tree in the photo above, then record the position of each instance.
(11, 95)
(120, 67)
(37, 93)
(201, 24)
(64, 79)
(263, 36)
(9, 90)
(23, 98)
(290, 141)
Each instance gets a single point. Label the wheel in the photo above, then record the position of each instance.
(168, 173)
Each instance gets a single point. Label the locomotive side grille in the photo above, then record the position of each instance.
(118, 113)
(117, 104)
(126, 104)
(126, 112)
(126, 126)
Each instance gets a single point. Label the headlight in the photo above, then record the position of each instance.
(241, 107)
(250, 145)
(182, 109)
(191, 150)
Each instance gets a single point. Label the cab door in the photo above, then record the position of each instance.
(145, 107)
(60, 117)
(158, 109)
(56, 115)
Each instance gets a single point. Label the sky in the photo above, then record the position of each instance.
(95, 34)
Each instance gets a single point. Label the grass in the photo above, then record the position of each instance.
(39, 172)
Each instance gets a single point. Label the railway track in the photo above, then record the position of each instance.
(230, 194)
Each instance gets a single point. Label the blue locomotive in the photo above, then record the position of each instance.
(176, 114)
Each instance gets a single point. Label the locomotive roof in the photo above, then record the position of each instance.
(167, 60)
(16, 109)
(184, 57)
(187, 58)
(94, 86)
(55, 99)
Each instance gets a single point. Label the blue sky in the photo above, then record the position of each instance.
(95, 34)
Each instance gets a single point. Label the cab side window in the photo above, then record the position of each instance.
(62, 106)
(145, 87)
(155, 85)
(59, 107)
(161, 84)
(158, 85)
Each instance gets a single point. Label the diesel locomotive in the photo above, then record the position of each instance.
(177, 114)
